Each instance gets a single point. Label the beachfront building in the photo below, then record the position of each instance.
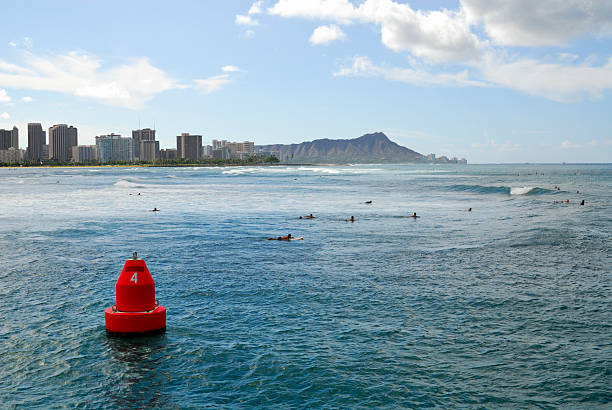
(145, 134)
(148, 150)
(225, 149)
(114, 147)
(11, 155)
(61, 140)
(207, 151)
(216, 144)
(169, 153)
(189, 146)
(84, 153)
(36, 140)
(9, 138)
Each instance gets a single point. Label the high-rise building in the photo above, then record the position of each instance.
(149, 150)
(36, 140)
(61, 140)
(114, 147)
(5, 139)
(189, 146)
(84, 153)
(15, 138)
(145, 134)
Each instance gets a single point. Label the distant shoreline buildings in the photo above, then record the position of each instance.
(142, 146)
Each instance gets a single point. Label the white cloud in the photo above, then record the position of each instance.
(230, 69)
(5, 116)
(129, 85)
(363, 67)
(541, 22)
(245, 20)
(562, 83)
(326, 34)
(334, 10)
(212, 84)
(26, 99)
(472, 37)
(433, 35)
(249, 34)
(12, 44)
(570, 145)
(4, 97)
(256, 7)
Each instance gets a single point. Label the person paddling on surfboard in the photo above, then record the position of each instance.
(414, 215)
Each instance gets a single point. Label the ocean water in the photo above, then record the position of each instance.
(505, 306)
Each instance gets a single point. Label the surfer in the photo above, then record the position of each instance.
(415, 216)
(368, 202)
(154, 210)
(285, 238)
(309, 216)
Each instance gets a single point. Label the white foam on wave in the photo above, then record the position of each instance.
(521, 191)
(127, 184)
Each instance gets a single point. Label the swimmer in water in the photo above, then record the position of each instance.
(582, 202)
(469, 210)
(281, 238)
(368, 202)
(566, 201)
(352, 219)
(154, 210)
(309, 216)
(415, 216)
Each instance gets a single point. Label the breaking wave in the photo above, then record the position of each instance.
(502, 190)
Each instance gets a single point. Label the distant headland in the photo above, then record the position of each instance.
(369, 148)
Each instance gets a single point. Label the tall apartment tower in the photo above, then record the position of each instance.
(114, 147)
(145, 134)
(61, 140)
(15, 138)
(149, 151)
(36, 141)
(9, 138)
(189, 146)
(5, 139)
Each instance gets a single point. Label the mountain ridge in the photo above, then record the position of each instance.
(368, 148)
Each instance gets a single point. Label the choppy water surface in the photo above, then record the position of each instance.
(505, 306)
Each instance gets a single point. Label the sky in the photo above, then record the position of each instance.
(488, 80)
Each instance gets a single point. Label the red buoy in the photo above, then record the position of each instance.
(136, 311)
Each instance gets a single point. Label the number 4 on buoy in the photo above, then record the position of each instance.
(134, 278)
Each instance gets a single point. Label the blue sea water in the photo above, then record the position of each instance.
(505, 306)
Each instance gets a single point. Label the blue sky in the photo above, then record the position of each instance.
(488, 80)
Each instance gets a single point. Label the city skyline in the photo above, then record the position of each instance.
(491, 82)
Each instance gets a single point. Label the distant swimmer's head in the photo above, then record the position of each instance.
(566, 201)
(582, 202)
(352, 218)
(301, 217)
(414, 214)
(288, 236)
(469, 209)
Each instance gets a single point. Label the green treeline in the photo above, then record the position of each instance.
(177, 162)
